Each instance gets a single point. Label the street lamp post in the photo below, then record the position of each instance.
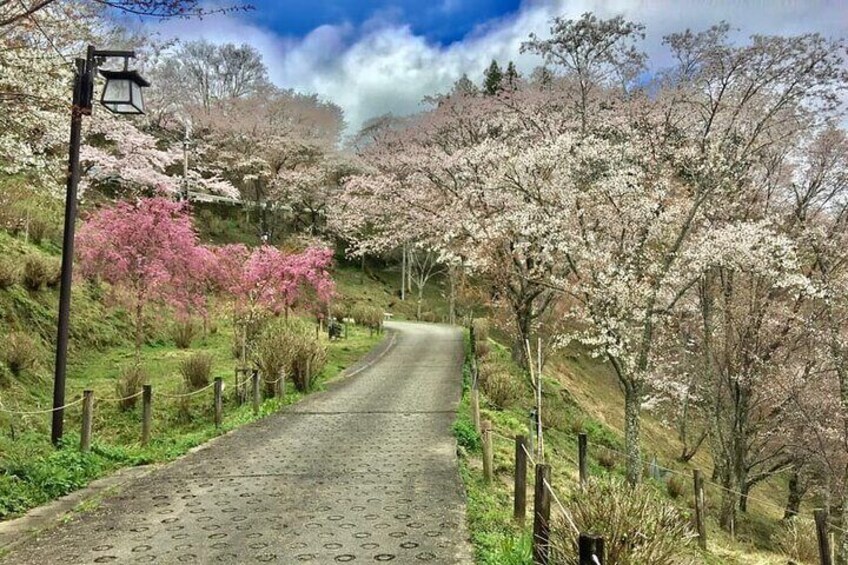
(121, 95)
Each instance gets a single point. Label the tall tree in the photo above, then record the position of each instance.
(492, 79)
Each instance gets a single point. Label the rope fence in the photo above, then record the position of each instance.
(88, 400)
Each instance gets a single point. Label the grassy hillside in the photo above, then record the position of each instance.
(582, 395)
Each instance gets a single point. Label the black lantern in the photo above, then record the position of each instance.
(122, 92)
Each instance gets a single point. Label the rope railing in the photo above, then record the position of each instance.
(41, 411)
(188, 394)
(123, 399)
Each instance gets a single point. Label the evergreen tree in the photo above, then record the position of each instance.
(492, 79)
(464, 86)
(512, 77)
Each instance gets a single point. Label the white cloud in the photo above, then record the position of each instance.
(382, 66)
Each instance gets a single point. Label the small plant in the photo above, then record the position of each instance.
(271, 357)
(183, 332)
(9, 273)
(480, 327)
(638, 526)
(37, 273)
(429, 317)
(675, 487)
(37, 229)
(607, 459)
(796, 538)
(482, 349)
(466, 435)
(196, 371)
(370, 317)
(501, 389)
(19, 352)
(128, 385)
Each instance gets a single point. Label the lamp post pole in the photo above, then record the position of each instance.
(83, 84)
(84, 72)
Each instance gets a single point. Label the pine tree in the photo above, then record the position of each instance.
(492, 79)
(512, 77)
(464, 86)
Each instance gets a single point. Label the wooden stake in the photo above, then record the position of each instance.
(219, 404)
(475, 407)
(821, 533)
(520, 494)
(488, 460)
(542, 516)
(146, 413)
(590, 549)
(256, 392)
(700, 508)
(87, 419)
(583, 459)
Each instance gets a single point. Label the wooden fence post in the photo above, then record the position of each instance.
(239, 397)
(488, 456)
(146, 413)
(582, 459)
(219, 401)
(475, 406)
(520, 497)
(256, 397)
(87, 419)
(821, 534)
(700, 508)
(590, 549)
(542, 516)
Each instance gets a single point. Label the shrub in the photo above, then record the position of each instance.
(196, 371)
(37, 272)
(796, 538)
(482, 349)
(299, 352)
(554, 419)
(9, 273)
(501, 389)
(466, 434)
(480, 327)
(37, 229)
(183, 332)
(128, 385)
(429, 317)
(340, 311)
(675, 487)
(368, 316)
(639, 528)
(19, 352)
(607, 459)
(271, 357)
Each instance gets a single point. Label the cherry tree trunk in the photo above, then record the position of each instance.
(632, 409)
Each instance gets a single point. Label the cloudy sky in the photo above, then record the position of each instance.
(376, 56)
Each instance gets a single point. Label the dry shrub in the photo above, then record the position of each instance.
(480, 327)
(19, 352)
(501, 389)
(37, 272)
(638, 526)
(271, 357)
(129, 383)
(292, 345)
(368, 316)
(797, 539)
(482, 349)
(10, 274)
(675, 487)
(607, 459)
(554, 419)
(577, 425)
(183, 333)
(196, 371)
(429, 317)
(340, 311)
(37, 229)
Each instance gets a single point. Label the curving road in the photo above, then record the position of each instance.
(365, 472)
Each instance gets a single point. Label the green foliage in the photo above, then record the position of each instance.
(638, 526)
(20, 352)
(128, 385)
(183, 333)
(196, 371)
(466, 435)
(10, 274)
(39, 272)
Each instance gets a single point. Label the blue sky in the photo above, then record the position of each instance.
(439, 21)
(373, 57)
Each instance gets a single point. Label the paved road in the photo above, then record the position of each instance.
(365, 472)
